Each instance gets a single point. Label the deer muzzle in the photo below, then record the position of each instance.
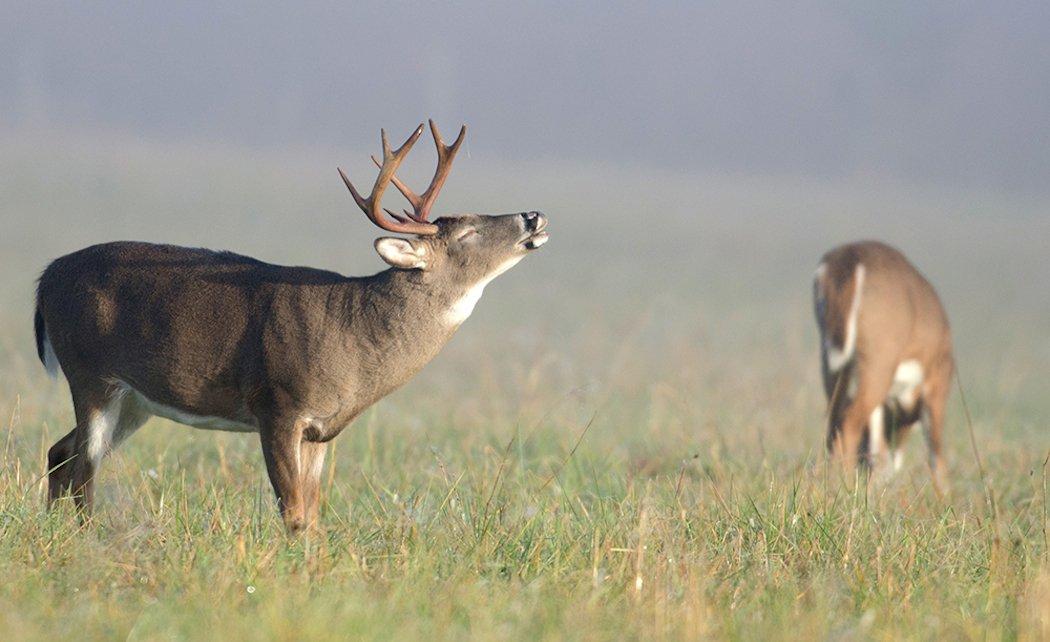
(535, 224)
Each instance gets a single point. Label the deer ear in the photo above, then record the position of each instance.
(407, 254)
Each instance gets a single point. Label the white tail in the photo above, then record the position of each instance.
(44, 349)
(839, 356)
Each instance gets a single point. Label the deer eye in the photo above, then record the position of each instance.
(466, 234)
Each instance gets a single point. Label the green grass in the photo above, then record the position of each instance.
(623, 442)
(483, 528)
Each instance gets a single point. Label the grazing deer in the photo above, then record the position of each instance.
(886, 354)
(220, 341)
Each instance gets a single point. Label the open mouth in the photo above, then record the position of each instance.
(536, 236)
(534, 241)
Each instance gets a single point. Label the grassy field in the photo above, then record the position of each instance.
(624, 441)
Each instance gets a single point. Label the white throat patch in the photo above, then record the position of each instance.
(464, 306)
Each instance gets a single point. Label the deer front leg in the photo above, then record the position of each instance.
(878, 453)
(312, 459)
(837, 386)
(282, 450)
(938, 386)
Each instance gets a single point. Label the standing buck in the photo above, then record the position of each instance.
(886, 354)
(220, 341)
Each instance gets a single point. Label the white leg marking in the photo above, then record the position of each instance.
(898, 460)
(317, 466)
(299, 459)
(840, 357)
(876, 435)
(102, 425)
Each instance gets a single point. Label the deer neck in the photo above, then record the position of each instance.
(430, 303)
(420, 304)
(398, 320)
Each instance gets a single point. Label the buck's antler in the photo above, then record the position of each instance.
(372, 205)
(446, 154)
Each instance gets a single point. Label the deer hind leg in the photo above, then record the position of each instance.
(872, 386)
(837, 386)
(98, 408)
(60, 467)
(936, 397)
(117, 419)
(312, 458)
(878, 454)
(904, 422)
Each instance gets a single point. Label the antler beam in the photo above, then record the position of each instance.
(372, 206)
(421, 204)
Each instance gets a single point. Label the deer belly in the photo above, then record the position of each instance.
(907, 381)
(204, 422)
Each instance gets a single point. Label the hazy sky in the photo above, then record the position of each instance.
(954, 93)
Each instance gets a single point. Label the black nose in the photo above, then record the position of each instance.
(534, 221)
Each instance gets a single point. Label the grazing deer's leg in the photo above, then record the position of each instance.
(874, 380)
(313, 454)
(905, 422)
(99, 430)
(837, 388)
(898, 444)
(97, 407)
(936, 396)
(60, 467)
(282, 449)
(877, 453)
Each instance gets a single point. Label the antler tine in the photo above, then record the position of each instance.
(446, 155)
(386, 143)
(421, 204)
(397, 217)
(372, 205)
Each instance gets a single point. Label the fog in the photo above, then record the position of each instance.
(945, 94)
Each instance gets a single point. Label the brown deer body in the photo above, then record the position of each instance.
(221, 341)
(886, 355)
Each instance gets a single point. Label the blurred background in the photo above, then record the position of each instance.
(952, 94)
(695, 160)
